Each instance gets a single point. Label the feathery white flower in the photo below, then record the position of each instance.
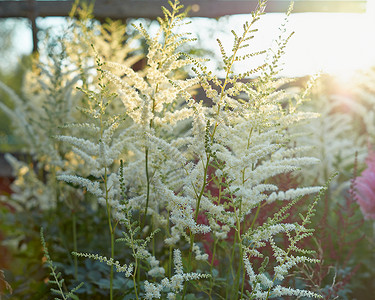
(152, 290)
(92, 187)
(83, 144)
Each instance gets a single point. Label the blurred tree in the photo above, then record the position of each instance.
(12, 67)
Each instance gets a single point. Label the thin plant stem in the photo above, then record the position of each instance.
(211, 266)
(243, 281)
(170, 262)
(112, 256)
(112, 233)
(231, 264)
(147, 187)
(255, 217)
(136, 274)
(203, 188)
(153, 240)
(215, 239)
(184, 291)
(237, 277)
(134, 281)
(138, 278)
(74, 224)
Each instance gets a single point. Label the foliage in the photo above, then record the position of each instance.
(56, 277)
(143, 188)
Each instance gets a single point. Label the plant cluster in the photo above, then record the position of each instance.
(142, 187)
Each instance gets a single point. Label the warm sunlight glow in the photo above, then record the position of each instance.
(335, 43)
(338, 44)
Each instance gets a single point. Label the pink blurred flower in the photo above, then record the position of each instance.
(365, 188)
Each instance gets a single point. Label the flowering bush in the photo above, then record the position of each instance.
(365, 189)
(146, 191)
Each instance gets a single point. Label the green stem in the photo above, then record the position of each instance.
(136, 273)
(255, 217)
(138, 277)
(112, 256)
(236, 285)
(153, 241)
(211, 267)
(189, 262)
(74, 220)
(203, 188)
(190, 250)
(112, 233)
(238, 275)
(229, 286)
(243, 280)
(148, 189)
(184, 291)
(170, 262)
(134, 281)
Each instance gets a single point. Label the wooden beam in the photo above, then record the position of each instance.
(122, 9)
(34, 29)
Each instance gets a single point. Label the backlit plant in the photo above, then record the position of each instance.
(169, 169)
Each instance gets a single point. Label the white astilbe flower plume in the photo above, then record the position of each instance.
(127, 269)
(174, 285)
(92, 186)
